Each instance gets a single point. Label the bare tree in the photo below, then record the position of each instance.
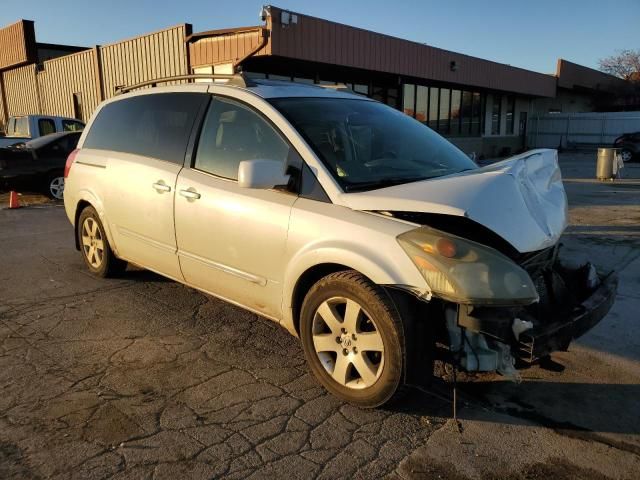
(625, 65)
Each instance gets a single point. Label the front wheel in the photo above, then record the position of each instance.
(626, 154)
(94, 245)
(353, 339)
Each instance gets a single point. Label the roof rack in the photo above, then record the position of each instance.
(236, 79)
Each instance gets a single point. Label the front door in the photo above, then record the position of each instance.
(231, 240)
(522, 128)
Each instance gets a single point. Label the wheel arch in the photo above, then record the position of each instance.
(84, 199)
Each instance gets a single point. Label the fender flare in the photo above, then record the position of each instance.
(379, 268)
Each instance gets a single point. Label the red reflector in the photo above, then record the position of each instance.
(70, 159)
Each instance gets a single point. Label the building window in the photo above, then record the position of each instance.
(465, 113)
(361, 88)
(434, 101)
(511, 107)
(455, 116)
(477, 113)
(443, 117)
(422, 103)
(496, 114)
(409, 100)
(308, 81)
(450, 112)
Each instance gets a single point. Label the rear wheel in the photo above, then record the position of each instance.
(626, 154)
(353, 339)
(94, 245)
(55, 187)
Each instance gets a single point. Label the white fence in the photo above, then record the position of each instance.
(576, 130)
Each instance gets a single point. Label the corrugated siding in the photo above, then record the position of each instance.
(571, 75)
(21, 87)
(319, 40)
(64, 76)
(156, 55)
(17, 44)
(226, 48)
(3, 114)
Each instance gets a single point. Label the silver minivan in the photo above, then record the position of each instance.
(361, 231)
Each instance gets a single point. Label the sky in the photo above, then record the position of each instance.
(530, 34)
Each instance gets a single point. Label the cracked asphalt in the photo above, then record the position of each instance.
(141, 377)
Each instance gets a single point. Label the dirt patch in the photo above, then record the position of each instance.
(12, 464)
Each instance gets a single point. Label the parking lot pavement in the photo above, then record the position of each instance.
(140, 377)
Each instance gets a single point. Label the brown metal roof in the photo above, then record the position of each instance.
(324, 41)
(571, 75)
(230, 45)
(317, 40)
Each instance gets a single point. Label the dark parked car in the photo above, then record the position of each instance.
(629, 143)
(38, 164)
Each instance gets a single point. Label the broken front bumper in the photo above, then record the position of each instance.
(556, 336)
(573, 300)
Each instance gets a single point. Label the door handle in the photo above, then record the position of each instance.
(190, 194)
(161, 187)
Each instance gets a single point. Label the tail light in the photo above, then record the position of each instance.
(70, 159)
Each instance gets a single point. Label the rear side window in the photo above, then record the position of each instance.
(155, 125)
(46, 126)
(72, 126)
(21, 127)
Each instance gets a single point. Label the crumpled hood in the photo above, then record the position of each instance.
(522, 199)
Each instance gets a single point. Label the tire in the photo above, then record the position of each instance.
(55, 186)
(344, 312)
(94, 246)
(627, 155)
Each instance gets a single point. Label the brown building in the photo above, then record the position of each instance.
(480, 105)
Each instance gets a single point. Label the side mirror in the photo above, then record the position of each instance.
(263, 174)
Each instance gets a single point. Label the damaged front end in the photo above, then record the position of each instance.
(491, 258)
(506, 311)
(573, 299)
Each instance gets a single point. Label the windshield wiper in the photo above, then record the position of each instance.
(381, 183)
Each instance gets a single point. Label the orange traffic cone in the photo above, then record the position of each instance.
(14, 201)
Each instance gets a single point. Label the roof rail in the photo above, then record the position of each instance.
(236, 79)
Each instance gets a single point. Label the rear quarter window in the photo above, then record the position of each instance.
(155, 125)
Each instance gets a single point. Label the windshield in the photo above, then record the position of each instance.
(368, 145)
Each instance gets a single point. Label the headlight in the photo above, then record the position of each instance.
(463, 271)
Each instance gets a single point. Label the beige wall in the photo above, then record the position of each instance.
(156, 55)
(94, 74)
(64, 76)
(21, 88)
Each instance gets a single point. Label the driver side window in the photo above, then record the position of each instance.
(232, 133)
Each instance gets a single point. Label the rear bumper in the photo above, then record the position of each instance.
(556, 336)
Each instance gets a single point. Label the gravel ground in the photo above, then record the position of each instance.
(140, 377)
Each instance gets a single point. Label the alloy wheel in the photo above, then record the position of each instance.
(348, 343)
(92, 243)
(626, 155)
(56, 187)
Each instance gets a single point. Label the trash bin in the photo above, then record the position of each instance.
(605, 164)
